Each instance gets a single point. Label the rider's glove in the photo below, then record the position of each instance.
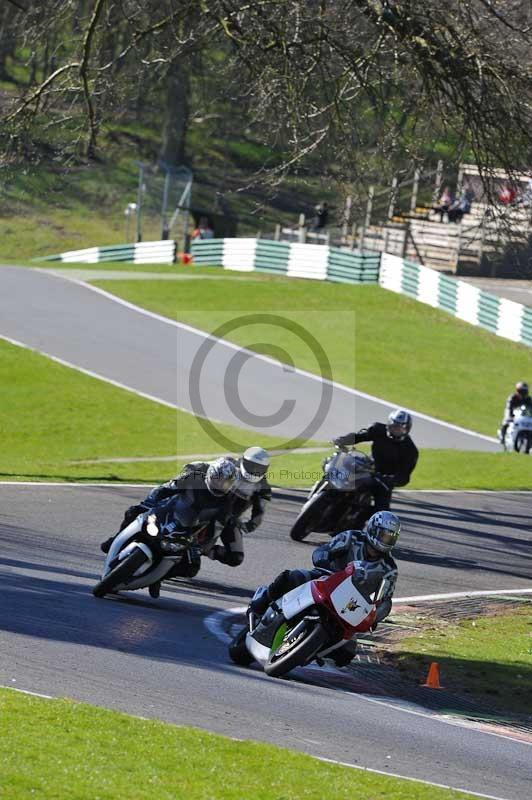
(249, 526)
(340, 441)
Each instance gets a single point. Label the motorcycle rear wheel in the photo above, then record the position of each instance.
(238, 652)
(302, 651)
(124, 570)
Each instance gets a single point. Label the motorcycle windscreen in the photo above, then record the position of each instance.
(349, 604)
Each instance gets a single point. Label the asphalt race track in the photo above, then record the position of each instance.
(156, 658)
(156, 356)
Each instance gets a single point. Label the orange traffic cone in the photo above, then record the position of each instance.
(433, 678)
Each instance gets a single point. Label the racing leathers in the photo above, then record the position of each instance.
(513, 402)
(378, 571)
(226, 510)
(395, 460)
(246, 496)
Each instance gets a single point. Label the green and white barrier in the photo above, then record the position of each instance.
(163, 252)
(459, 298)
(295, 260)
(323, 263)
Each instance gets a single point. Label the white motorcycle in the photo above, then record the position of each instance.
(307, 623)
(152, 548)
(519, 432)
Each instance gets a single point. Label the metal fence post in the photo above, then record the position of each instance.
(346, 219)
(415, 187)
(437, 182)
(302, 232)
(139, 202)
(164, 224)
(393, 196)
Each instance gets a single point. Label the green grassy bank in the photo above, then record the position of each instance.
(57, 748)
(488, 658)
(59, 424)
(379, 342)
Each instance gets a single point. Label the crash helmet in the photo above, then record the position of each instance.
(221, 476)
(382, 531)
(254, 464)
(522, 389)
(399, 424)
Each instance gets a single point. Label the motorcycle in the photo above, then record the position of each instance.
(340, 498)
(164, 542)
(306, 624)
(519, 432)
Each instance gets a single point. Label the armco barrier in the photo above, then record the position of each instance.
(295, 260)
(162, 252)
(319, 262)
(459, 298)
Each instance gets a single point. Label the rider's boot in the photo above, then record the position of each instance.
(155, 589)
(343, 656)
(260, 603)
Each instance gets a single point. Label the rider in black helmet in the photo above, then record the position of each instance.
(520, 397)
(393, 451)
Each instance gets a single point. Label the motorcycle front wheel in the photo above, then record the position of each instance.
(309, 519)
(120, 574)
(297, 652)
(522, 443)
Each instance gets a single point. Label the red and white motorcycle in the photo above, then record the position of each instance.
(307, 623)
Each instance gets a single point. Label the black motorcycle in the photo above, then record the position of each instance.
(341, 498)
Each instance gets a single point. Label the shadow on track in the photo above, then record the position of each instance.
(162, 630)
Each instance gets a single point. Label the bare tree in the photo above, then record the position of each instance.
(363, 82)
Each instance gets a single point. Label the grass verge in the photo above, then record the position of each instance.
(55, 419)
(52, 416)
(437, 469)
(380, 342)
(76, 757)
(488, 658)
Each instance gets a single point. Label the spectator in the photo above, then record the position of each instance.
(203, 231)
(321, 217)
(507, 194)
(463, 205)
(445, 202)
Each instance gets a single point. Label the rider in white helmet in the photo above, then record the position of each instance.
(235, 485)
(249, 492)
(370, 550)
(393, 451)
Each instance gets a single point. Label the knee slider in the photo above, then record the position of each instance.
(234, 559)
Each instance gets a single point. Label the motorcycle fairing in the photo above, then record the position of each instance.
(350, 605)
(116, 550)
(146, 573)
(297, 600)
(152, 575)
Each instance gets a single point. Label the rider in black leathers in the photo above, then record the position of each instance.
(370, 549)
(520, 397)
(249, 490)
(394, 453)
